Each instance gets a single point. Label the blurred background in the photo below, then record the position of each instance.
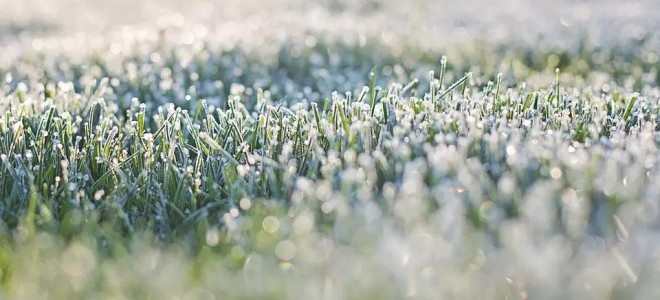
(430, 21)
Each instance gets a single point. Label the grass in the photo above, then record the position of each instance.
(330, 170)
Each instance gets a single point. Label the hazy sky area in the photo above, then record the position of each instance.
(508, 20)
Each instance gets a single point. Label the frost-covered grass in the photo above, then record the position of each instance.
(238, 159)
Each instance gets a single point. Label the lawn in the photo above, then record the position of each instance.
(329, 149)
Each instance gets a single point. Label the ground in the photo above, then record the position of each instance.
(329, 149)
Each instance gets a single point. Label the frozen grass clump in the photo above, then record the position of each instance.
(177, 160)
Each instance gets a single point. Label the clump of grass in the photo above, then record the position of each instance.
(268, 179)
(173, 170)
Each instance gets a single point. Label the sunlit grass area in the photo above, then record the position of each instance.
(329, 150)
